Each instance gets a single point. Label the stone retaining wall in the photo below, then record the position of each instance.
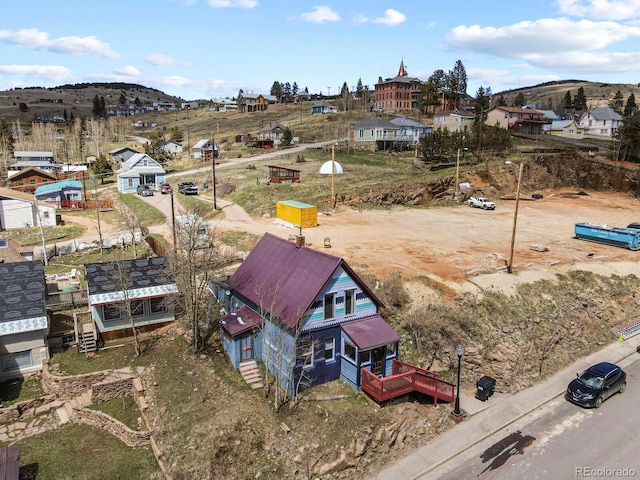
(25, 409)
(104, 391)
(101, 420)
(68, 387)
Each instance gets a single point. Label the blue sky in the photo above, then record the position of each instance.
(200, 49)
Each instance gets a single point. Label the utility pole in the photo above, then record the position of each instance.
(213, 162)
(44, 243)
(173, 227)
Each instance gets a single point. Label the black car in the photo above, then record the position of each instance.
(596, 384)
(188, 188)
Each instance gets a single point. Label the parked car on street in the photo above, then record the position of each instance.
(188, 188)
(596, 384)
(165, 188)
(144, 191)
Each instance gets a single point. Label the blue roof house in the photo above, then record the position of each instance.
(66, 190)
(306, 315)
(140, 169)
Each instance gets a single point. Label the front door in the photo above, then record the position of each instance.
(377, 356)
(246, 347)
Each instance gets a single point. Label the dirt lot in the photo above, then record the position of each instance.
(454, 246)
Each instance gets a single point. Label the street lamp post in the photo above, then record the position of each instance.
(515, 217)
(457, 414)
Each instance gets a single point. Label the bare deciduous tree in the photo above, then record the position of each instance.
(199, 257)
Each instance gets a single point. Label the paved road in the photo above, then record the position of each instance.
(561, 440)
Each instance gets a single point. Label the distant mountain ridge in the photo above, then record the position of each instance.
(549, 95)
(74, 98)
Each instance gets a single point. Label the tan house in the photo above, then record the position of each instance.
(453, 120)
(565, 129)
(517, 120)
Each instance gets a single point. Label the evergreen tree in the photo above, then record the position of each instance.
(483, 97)
(103, 108)
(64, 115)
(433, 89)
(102, 167)
(501, 102)
(567, 102)
(630, 109)
(137, 102)
(96, 110)
(122, 100)
(286, 138)
(276, 90)
(23, 107)
(580, 100)
(519, 100)
(154, 147)
(628, 134)
(618, 102)
(177, 135)
(457, 82)
(359, 88)
(294, 89)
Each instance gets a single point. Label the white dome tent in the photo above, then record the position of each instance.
(325, 169)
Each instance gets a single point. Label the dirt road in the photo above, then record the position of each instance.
(453, 246)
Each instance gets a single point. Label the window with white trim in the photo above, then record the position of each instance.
(329, 306)
(329, 349)
(391, 349)
(17, 360)
(349, 351)
(349, 302)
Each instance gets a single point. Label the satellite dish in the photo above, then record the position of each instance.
(325, 169)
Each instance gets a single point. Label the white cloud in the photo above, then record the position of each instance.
(159, 59)
(544, 36)
(320, 14)
(601, 9)
(588, 62)
(128, 71)
(33, 38)
(391, 18)
(55, 73)
(233, 3)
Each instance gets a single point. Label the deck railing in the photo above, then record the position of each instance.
(405, 379)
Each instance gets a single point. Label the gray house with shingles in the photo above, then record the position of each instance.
(24, 324)
(304, 313)
(146, 283)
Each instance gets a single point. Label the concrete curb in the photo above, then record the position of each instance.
(513, 420)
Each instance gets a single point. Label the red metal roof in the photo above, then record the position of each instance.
(370, 332)
(285, 280)
(240, 321)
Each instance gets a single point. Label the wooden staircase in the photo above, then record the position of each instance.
(251, 374)
(86, 335)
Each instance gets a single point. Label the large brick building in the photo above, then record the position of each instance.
(398, 94)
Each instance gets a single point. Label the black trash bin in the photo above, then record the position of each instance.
(485, 387)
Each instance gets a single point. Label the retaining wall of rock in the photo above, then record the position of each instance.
(25, 409)
(101, 420)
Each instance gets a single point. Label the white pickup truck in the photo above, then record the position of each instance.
(481, 202)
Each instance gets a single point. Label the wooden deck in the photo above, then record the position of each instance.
(406, 378)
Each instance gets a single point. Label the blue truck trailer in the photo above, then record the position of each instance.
(624, 237)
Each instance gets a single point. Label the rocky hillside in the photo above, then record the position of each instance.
(550, 95)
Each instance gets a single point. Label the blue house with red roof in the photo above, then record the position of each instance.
(306, 315)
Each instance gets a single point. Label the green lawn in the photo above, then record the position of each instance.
(84, 452)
